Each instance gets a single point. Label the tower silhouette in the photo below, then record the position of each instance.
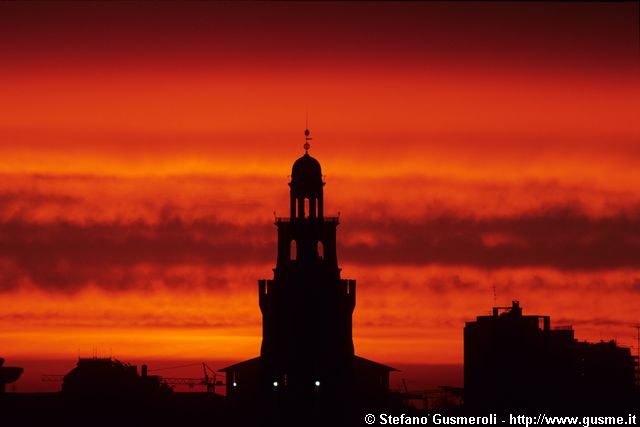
(307, 307)
(307, 345)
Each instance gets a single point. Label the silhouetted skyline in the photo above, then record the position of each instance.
(469, 147)
(307, 367)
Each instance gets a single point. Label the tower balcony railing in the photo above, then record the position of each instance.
(336, 219)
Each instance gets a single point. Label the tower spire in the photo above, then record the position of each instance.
(307, 138)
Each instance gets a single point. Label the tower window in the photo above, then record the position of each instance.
(294, 251)
(320, 250)
(306, 208)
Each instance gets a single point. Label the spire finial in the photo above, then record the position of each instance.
(307, 138)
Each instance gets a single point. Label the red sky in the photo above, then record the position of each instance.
(145, 147)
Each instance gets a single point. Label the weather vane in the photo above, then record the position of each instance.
(307, 138)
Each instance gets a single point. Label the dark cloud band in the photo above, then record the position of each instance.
(66, 255)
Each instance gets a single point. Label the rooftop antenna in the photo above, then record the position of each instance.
(495, 296)
(307, 138)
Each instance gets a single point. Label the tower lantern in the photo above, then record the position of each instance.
(306, 186)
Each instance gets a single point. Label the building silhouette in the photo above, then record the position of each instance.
(8, 375)
(515, 361)
(104, 376)
(307, 346)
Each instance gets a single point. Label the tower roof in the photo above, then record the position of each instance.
(306, 169)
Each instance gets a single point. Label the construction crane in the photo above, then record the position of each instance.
(209, 381)
(209, 378)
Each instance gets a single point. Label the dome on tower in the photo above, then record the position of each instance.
(306, 169)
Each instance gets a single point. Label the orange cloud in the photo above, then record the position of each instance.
(417, 308)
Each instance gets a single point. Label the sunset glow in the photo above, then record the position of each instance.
(145, 148)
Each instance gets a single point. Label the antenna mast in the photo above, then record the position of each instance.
(495, 296)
